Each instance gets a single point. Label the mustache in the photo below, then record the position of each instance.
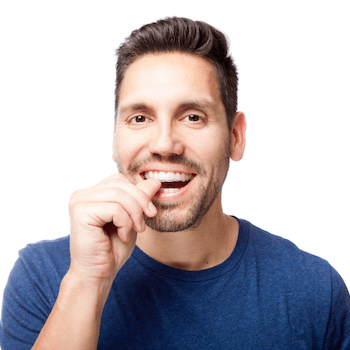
(172, 159)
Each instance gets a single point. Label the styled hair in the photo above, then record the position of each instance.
(176, 34)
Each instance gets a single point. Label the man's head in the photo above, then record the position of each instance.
(186, 36)
(172, 125)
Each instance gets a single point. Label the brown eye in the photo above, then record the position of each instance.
(193, 118)
(140, 119)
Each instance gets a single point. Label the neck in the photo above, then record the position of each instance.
(208, 245)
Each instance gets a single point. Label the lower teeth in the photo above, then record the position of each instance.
(168, 190)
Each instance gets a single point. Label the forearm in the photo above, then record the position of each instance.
(74, 322)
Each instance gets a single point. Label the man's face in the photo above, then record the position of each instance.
(172, 125)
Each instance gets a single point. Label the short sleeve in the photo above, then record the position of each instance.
(31, 292)
(338, 330)
(24, 310)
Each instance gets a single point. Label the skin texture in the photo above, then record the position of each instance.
(170, 118)
(104, 221)
(164, 129)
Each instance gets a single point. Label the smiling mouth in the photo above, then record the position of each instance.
(171, 182)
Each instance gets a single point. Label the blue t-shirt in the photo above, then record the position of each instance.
(267, 295)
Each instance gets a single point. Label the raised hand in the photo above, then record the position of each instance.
(105, 220)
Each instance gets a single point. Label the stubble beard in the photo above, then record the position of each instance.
(167, 218)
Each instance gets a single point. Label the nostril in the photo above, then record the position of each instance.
(165, 145)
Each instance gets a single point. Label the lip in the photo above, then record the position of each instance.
(175, 168)
(166, 169)
(180, 193)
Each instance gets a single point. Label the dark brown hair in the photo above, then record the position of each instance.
(183, 35)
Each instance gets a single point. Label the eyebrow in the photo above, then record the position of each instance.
(197, 104)
(133, 107)
(193, 103)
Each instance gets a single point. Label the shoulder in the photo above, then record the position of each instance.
(56, 247)
(36, 275)
(293, 270)
(47, 255)
(32, 289)
(312, 291)
(42, 264)
(281, 252)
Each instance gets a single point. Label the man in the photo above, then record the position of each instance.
(152, 262)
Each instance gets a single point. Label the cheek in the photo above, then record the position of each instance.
(212, 148)
(127, 147)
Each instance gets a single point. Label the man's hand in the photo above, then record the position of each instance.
(105, 220)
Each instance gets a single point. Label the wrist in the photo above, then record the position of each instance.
(74, 322)
(91, 292)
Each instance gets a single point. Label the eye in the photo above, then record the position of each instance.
(139, 119)
(193, 118)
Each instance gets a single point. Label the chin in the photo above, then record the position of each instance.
(167, 223)
(172, 218)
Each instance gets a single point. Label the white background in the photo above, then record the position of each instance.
(57, 83)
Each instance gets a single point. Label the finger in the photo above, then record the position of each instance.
(98, 215)
(134, 200)
(124, 227)
(113, 219)
(111, 181)
(122, 199)
(117, 230)
(142, 192)
(150, 187)
(123, 251)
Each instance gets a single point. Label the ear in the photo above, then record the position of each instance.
(238, 138)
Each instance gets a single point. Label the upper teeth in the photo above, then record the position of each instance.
(167, 176)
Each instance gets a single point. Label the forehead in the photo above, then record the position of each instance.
(169, 77)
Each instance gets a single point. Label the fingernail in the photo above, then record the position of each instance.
(152, 208)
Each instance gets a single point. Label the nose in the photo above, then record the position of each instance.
(166, 140)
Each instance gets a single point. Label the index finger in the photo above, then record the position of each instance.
(150, 187)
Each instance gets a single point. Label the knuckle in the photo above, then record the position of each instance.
(71, 204)
(114, 191)
(74, 207)
(121, 219)
(120, 176)
(127, 224)
(113, 194)
(78, 209)
(112, 183)
(115, 180)
(118, 210)
(128, 227)
(108, 183)
(74, 195)
(73, 201)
